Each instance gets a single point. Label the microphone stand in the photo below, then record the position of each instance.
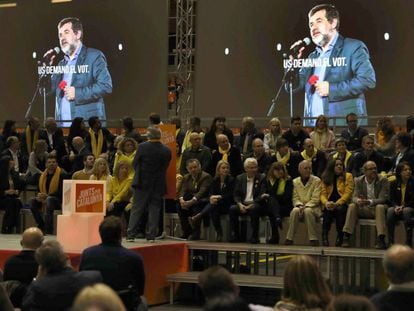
(289, 74)
(40, 88)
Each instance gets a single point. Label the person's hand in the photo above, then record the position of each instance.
(52, 58)
(10, 191)
(69, 92)
(72, 156)
(41, 196)
(183, 203)
(398, 210)
(322, 88)
(299, 54)
(362, 202)
(242, 208)
(265, 196)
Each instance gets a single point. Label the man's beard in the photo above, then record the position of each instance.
(68, 49)
(321, 39)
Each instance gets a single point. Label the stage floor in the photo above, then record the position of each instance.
(161, 257)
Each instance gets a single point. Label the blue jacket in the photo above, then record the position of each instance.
(347, 83)
(90, 86)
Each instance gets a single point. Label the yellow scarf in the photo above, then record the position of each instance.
(305, 155)
(96, 147)
(29, 142)
(347, 156)
(54, 183)
(225, 153)
(280, 187)
(285, 159)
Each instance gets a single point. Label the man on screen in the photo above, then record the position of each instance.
(339, 72)
(85, 79)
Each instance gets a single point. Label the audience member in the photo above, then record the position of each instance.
(98, 297)
(385, 137)
(315, 156)
(56, 284)
(341, 152)
(150, 163)
(289, 158)
(10, 187)
(37, 162)
(369, 200)
(118, 192)
(306, 203)
(218, 126)
(398, 264)
(322, 136)
(226, 152)
(9, 129)
(249, 196)
(279, 186)
(401, 203)
(273, 135)
(74, 160)
(129, 130)
(13, 151)
(354, 133)
(247, 134)
(77, 129)
(304, 287)
(347, 302)
(5, 303)
(100, 171)
(86, 172)
(296, 135)
(23, 266)
(264, 160)
(220, 200)
(336, 193)
(127, 148)
(29, 137)
(122, 269)
(154, 119)
(404, 151)
(196, 151)
(179, 132)
(194, 125)
(49, 196)
(366, 154)
(53, 135)
(192, 197)
(97, 140)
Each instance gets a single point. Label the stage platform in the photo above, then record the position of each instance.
(161, 258)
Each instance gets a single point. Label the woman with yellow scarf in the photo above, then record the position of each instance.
(126, 152)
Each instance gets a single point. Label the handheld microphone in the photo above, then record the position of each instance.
(47, 57)
(295, 50)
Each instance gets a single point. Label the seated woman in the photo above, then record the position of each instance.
(10, 186)
(220, 198)
(272, 136)
(279, 186)
(304, 287)
(118, 192)
(37, 162)
(341, 152)
(100, 171)
(402, 203)
(323, 138)
(336, 193)
(127, 148)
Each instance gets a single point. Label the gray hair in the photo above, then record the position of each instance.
(153, 132)
(250, 161)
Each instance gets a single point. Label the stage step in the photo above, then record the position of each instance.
(241, 280)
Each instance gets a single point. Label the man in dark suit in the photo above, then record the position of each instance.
(79, 93)
(366, 154)
(13, 151)
(56, 284)
(354, 133)
(23, 266)
(150, 164)
(53, 135)
(370, 198)
(398, 264)
(226, 151)
(315, 156)
(406, 153)
(249, 196)
(122, 269)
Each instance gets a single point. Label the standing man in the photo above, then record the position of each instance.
(80, 89)
(342, 70)
(150, 164)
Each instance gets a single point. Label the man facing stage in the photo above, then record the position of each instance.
(79, 92)
(342, 71)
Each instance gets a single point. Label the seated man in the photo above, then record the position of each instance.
(23, 266)
(315, 156)
(371, 193)
(196, 151)
(225, 151)
(249, 196)
(398, 265)
(306, 203)
(406, 153)
(122, 269)
(192, 197)
(366, 154)
(86, 172)
(264, 160)
(296, 135)
(354, 133)
(49, 195)
(290, 159)
(56, 284)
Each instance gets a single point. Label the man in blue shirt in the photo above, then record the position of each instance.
(337, 73)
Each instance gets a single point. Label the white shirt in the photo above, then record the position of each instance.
(15, 159)
(249, 190)
(370, 190)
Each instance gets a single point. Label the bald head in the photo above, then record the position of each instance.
(77, 142)
(399, 264)
(32, 238)
(195, 140)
